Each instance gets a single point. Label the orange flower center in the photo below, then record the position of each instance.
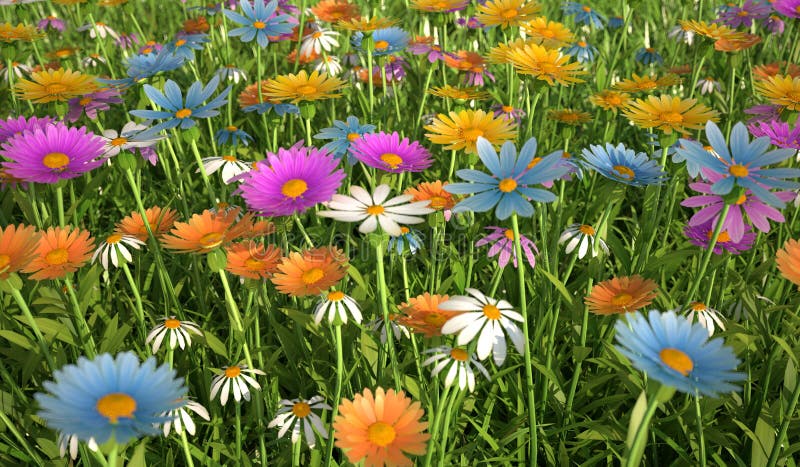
(294, 188)
(313, 275)
(738, 170)
(509, 234)
(55, 88)
(587, 229)
(491, 311)
(335, 296)
(508, 109)
(743, 13)
(306, 90)
(211, 240)
(472, 134)
(231, 128)
(56, 161)
(232, 371)
(438, 202)
(381, 434)
(507, 185)
(179, 42)
(624, 172)
(671, 117)
(724, 236)
(677, 360)
(116, 405)
(85, 101)
(392, 160)
(586, 9)
(741, 200)
(57, 256)
(381, 45)
(621, 299)
(301, 409)
(229, 158)
(5, 260)
(353, 136)
(797, 9)
(183, 113)
(614, 99)
(435, 319)
(259, 25)
(375, 210)
(253, 264)
(548, 33)
(581, 44)
(460, 355)
(698, 306)
(113, 238)
(119, 141)
(172, 323)
(510, 13)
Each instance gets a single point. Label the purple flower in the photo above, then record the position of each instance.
(774, 24)
(395, 68)
(126, 41)
(425, 45)
(469, 23)
(744, 15)
(51, 22)
(388, 153)
(502, 241)
(475, 78)
(91, 103)
(763, 113)
(12, 126)
(291, 181)
(52, 153)
(779, 133)
(700, 235)
(788, 8)
(508, 112)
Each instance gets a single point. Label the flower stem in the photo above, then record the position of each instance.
(434, 424)
(707, 257)
(634, 456)
(776, 447)
(136, 296)
(236, 315)
(186, 452)
(84, 334)
(385, 311)
(701, 440)
(203, 173)
(60, 204)
(337, 396)
(38, 333)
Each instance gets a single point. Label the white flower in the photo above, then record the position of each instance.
(297, 412)
(180, 418)
(93, 60)
(328, 64)
(581, 236)
(178, 333)
(234, 377)
(708, 85)
(114, 246)
(679, 34)
(335, 304)
(99, 29)
(17, 68)
(318, 41)
(129, 137)
(487, 316)
(709, 318)
(71, 442)
(231, 167)
(460, 363)
(398, 330)
(375, 209)
(230, 72)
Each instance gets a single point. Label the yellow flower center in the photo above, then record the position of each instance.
(738, 170)
(587, 9)
(5, 260)
(56, 160)
(253, 264)
(460, 355)
(85, 101)
(741, 200)
(115, 406)
(172, 323)
(375, 210)
(613, 100)
(392, 160)
(381, 45)
(306, 89)
(435, 319)
(507, 185)
(671, 117)
(622, 299)
(491, 311)
(353, 136)
(119, 141)
(698, 306)
(113, 238)
(211, 240)
(179, 42)
(294, 188)
(55, 88)
(472, 134)
(229, 158)
(508, 109)
(381, 434)
(335, 296)
(509, 234)
(259, 25)
(312, 276)
(231, 128)
(301, 409)
(183, 113)
(624, 172)
(587, 229)
(57, 256)
(510, 13)
(677, 360)
(232, 371)
(437, 202)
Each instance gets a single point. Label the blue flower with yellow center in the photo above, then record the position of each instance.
(623, 165)
(258, 21)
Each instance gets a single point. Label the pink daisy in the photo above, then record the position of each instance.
(388, 153)
(700, 235)
(11, 126)
(52, 153)
(780, 133)
(789, 8)
(502, 240)
(92, 103)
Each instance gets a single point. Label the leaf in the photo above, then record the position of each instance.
(790, 376)
(763, 442)
(637, 414)
(562, 289)
(137, 459)
(16, 338)
(215, 344)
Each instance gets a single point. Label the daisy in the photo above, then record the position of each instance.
(374, 209)
(231, 73)
(378, 326)
(708, 85)
(439, 6)
(788, 8)
(700, 235)
(366, 24)
(735, 16)
(461, 130)
(336, 305)
(502, 241)
(179, 333)
(131, 137)
(508, 112)
(13, 126)
(115, 246)
(303, 87)
(234, 379)
(71, 442)
(647, 83)
(160, 222)
(668, 114)
(781, 90)
(333, 11)
(55, 85)
(582, 52)
(788, 261)
(342, 135)
(17, 248)
(623, 165)
(179, 418)
(319, 41)
(388, 153)
(252, 261)
(258, 21)
(21, 32)
(569, 116)
(780, 134)
(424, 316)
(621, 295)
(493, 319)
(582, 237)
(649, 56)
(709, 318)
(207, 231)
(91, 103)
(384, 41)
(230, 165)
(583, 14)
(459, 94)
(610, 100)
(381, 428)
(60, 250)
(507, 13)
(550, 34)
(98, 29)
(459, 365)
(407, 238)
(546, 65)
(470, 63)
(328, 64)
(309, 273)
(17, 69)
(296, 415)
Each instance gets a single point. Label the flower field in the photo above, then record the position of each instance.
(394, 233)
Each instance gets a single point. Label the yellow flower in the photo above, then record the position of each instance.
(302, 87)
(669, 114)
(461, 130)
(545, 64)
(548, 33)
(506, 13)
(20, 32)
(109, 3)
(366, 25)
(569, 116)
(647, 83)
(499, 54)
(610, 100)
(450, 92)
(58, 85)
(781, 90)
(438, 6)
(714, 31)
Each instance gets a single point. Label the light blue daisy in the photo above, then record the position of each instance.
(185, 45)
(385, 41)
(623, 165)
(142, 66)
(648, 56)
(258, 22)
(279, 109)
(111, 397)
(583, 52)
(677, 353)
(342, 134)
(584, 14)
(408, 238)
(233, 135)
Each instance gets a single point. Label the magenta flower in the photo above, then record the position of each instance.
(51, 22)
(774, 24)
(502, 241)
(735, 16)
(55, 152)
(778, 132)
(11, 126)
(508, 112)
(434, 51)
(757, 212)
(91, 103)
(291, 181)
(700, 235)
(388, 153)
(789, 8)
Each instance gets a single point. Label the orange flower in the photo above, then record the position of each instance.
(310, 273)
(737, 42)
(252, 260)
(335, 10)
(423, 316)
(433, 191)
(767, 71)
(207, 231)
(17, 248)
(788, 261)
(160, 221)
(465, 61)
(196, 26)
(621, 295)
(380, 430)
(60, 251)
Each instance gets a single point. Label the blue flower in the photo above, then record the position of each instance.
(343, 134)
(616, 22)
(385, 41)
(648, 55)
(185, 45)
(677, 353)
(510, 185)
(176, 111)
(232, 134)
(623, 165)
(258, 23)
(407, 237)
(582, 52)
(111, 397)
(741, 166)
(143, 66)
(584, 14)
(279, 109)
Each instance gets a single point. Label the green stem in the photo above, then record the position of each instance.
(435, 426)
(22, 439)
(238, 433)
(38, 333)
(186, 452)
(337, 396)
(701, 440)
(60, 204)
(707, 256)
(636, 451)
(136, 296)
(201, 168)
(84, 334)
(385, 311)
(112, 456)
(236, 316)
(776, 447)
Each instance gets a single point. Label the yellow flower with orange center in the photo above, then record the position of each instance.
(506, 13)
(769, 70)
(621, 295)
(60, 250)
(647, 83)
(366, 25)
(782, 90)
(207, 231)
(21, 32)
(303, 87)
(545, 64)
(499, 54)
(55, 85)
(610, 100)
(668, 114)
(438, 6)
(450, 92)
(461, 130)
(309, 273)
(551, 34)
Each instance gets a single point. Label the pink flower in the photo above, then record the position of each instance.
(503, 243)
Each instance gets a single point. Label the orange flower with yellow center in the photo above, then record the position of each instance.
(309, 273)
(423, 316)
(610, 100)
(668, 114)
(569, 116)
(788, 261)
(252, 260)
(207, 231)
(56, 85)
(59, 252)
(465, 61)
(506, 13)
(433, 191)
(647, 83)
(159, 220)
(769, 70)
(621, 295)
(549, 34)
(782, 90)
(461, 130)
(303, 87)
(17, 248)
(545, 64)
(333, 11)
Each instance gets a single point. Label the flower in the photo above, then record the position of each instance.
(440, 199)
(782, 90)
(365, 24)
(60, 250)
(509, 186)
(55, 85)
(258, 22)
(319, 41)
(384, 41)
(114, 246)
(21, 32)
(788, 261)
(506, 13)
(342, 134)
(709, 318)
(388, 153)
(234, 135)
(780, 134)
(296, 414)
(492, 319)
(333, 11)
(550, 34)
(669, 114)
(13, 126)
(143, 66)
(178, 331)
(582, 237)
(708, 85)
(98, 29)
(303, 87)
(582, 52)
(450, 92)
(71, 442)
(788, 8)
(460, 364)
(110, 397)
(230, 165)
(185, 45)
(610, 100)
(677, 353)
(461, 130)
(439, 6)
(310, 272)
(648, 56)
(546, 65)
(623, 165)
(374, 209)
(621, 295)
(159, 220)
(250, 101)
(180, 418)
(701, 234)
(336, 305)
(234, 378)
(380, 429)
(423, 315)
(583, 14)
(407, 238)
(647, 83)
(17, 248)
(91, 103)
(735, 16)
(470, 63)
(502, 240)
(231, 72)
(569, 116)
(207, 231)
(252, 261)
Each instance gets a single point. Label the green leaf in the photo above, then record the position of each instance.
(137, 459)
(637, 414)
(215, 344)
(790, 376)
(762, 444)
(562, 289)
(15, 338)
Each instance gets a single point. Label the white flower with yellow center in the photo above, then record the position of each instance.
(460, 363)
(234, 379)
(180, 418)
(296, 414)
(492, 319)
(131, 136)
(709, 318)
(71, 442)
(230, 165)
(318, 41)
(116, 245)
(179, 333)
(336, 306)
(582, 237)
(328, 64)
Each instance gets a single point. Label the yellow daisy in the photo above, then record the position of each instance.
(506, 13)
(57, 85)
(450, 92)
(647, 83)
(499, 54)
(550, 34)
(669, 114)
(569, 116)
(546, 64)
(438, 6)
(610, 100)
(714, 31)
(366, 25)
(20, 32)
(781, 90)
(303, 87)
(461, 130)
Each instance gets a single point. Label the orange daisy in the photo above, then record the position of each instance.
(207, 231)
(788, 261)
(769, 70)
(310, 273)
(465, 61)
(160, 220)
(252, 261)
(60, 251)
(196, 26)
(434, 191)
(621, 295)
(380, 429)
(646, 83)
(461, 130)
(423, 316)
(333, 11)
(17, 248)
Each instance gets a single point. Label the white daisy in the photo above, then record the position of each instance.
(99, 29)
(131, 136)
(179, 333)
(336, 305)
(583, 237)
(398, 330)
(231, 72)
(19, 70)
(328, 64)
(180, 418)
(487, 316)
(114, 246)
(93, 60)
(71, 442)
(460, 363)
(375, 209)
(708, 85)
(318, 41)
(230, 165)
(234, 378)
(296, 413)
(709, 318)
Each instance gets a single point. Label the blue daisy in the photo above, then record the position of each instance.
(623, 165)
(742, 165)
(258, 21)
(342, 134)
(407, 239)
(142, 66)
(648, 56)
(677, 353)
(385, 41)
(279, 109)
(583, 52)
(584, 14)
(111, 397)
(232, 134)
(185, 45)
(510, 184)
